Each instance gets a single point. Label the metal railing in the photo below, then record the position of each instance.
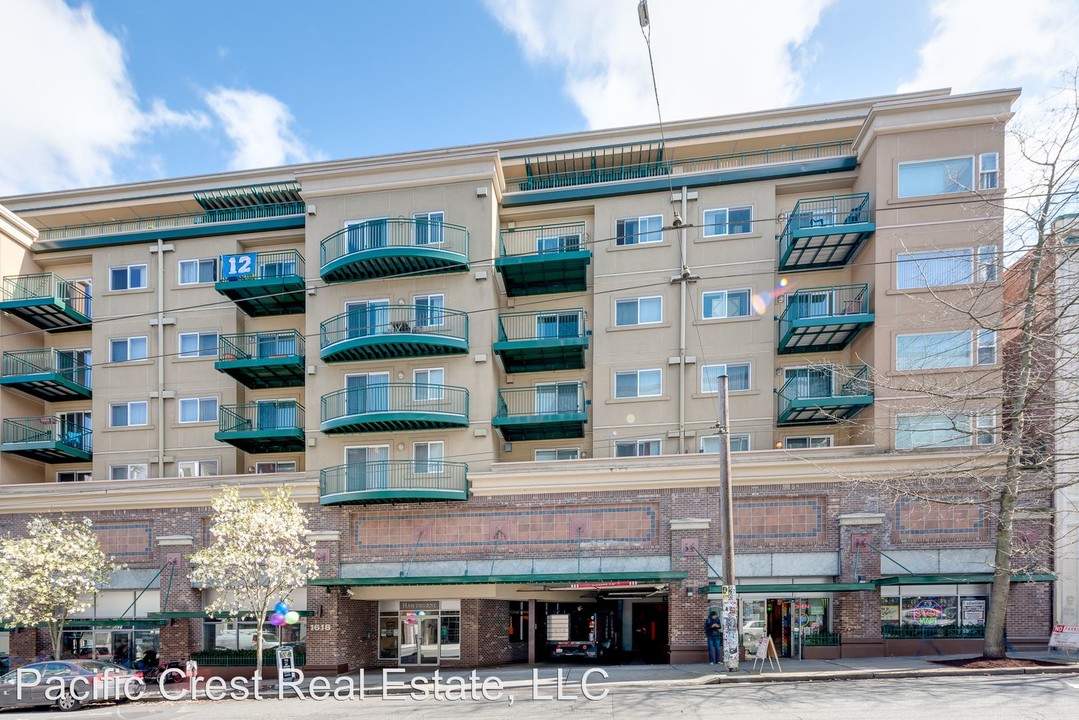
(821, 639)
(41, 286)
(394, 475)
(826, 214)
(919, 632)
(395, 398)
(265, 415)
(542, 240)
(45, 360)
(46, 429)
(245, 658)
(836, 301)
(825, 382)
(270, 265)
(543, 399)
(378, 320)
(260, 345)
(541, 325)
(169, 222)
(707, 163)
(394, 233)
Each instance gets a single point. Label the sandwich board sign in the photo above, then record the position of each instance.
(286, 664)
(766, 650)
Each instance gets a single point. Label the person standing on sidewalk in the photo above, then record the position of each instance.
(713, 631)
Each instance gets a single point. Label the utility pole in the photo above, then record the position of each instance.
(729, 615)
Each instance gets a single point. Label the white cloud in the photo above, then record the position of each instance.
(710, 57)
(260, 127)
(70, 111)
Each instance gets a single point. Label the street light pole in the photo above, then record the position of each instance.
(729, 615)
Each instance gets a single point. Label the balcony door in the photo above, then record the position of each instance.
(809, 382)
(276, 414)
(367, 235)
(366, 468)
(276, 344)
(557, 398)
(367, 393)
(74, 429)
(812, 304)
(369, 317)
(558, 325)
(75, 365)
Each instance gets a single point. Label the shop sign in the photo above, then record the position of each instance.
(889, 613)
(973, 611)
(419, 605)
(1064, 637)
(926, 612)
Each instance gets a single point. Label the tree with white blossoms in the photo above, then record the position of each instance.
(257, 555)
(50, 574)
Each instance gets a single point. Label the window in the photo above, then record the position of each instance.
(127, 349)
(193, 272)
(985, 424)
(737, 377)
(988, 171)
(428, 384)
(932, 430)
(712, 443)
(987, 347)
(638, 311)
(807, 442)
(725, 304)
(940, 268)
(639, 231)
(519, 624)
(429, 227)
(568, 242)
(557, 454)
(987, 263)
(728, 221)
(636, 448)
(429, 310)
(196, 468)
(198, 344)
(128, 277)
(279, 466)
(73, 476)
(129, 414)
(196, 410)
(131, 471)
(933, 350)
(638, 383)
(936, 177)
(428, 456)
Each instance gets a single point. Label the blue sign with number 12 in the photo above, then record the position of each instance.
(237, 266)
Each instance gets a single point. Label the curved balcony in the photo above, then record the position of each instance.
(48, 439)
(385, 481)
(389, 407)
(264, 284)
(393, 246)
(544, 259)
(381, 332)
(47, 301)
(46, 373)
(268, 426)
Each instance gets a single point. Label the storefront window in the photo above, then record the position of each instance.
(933, 616)
(5, 651)
(450, 646)
(754, 623)
(519, 622)
(387, 636)
(123, 646)
(231, 635)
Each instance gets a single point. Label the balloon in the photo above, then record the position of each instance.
(292, 617)
(281, 608)
(420, 613)
(277, 619)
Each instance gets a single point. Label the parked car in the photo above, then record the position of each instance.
(100, 682)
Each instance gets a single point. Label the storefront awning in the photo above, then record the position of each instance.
(76, 623)
(799, 587)
(960, 579)
(196, 615)
(584, 580)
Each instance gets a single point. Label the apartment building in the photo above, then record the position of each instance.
(491, 374)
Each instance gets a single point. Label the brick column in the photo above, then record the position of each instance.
(688, 600)
(180, 636)
(856, 615)
(329, 634)
(27, 643)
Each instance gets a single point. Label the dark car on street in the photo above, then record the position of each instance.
(83, 681)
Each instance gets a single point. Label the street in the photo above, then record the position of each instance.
(957, 698)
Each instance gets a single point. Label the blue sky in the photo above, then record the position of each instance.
(126, 90)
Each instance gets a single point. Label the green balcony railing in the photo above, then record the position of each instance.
(278, 265)
(170, 222)
(825, 392)
(261, 345)
(45, 361)
(265, 416)
(393, 246)
(925, 632)
(245, 658)
(417, 324)
(823, 318)
(597, 168)
(821, 639)
(393, 480)
(541, 325)
(823, 232)
(554, 399)
(388, 406)
(46, 287)
(46, 430)
(542, 240)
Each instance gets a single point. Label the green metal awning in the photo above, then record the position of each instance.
(246, 196)
(801, 587)
(76, 623)
(961, 579)
(583, 579)
(177, 615)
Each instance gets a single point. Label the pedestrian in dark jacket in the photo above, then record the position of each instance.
(713, 631)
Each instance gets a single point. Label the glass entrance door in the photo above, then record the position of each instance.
(429, 639)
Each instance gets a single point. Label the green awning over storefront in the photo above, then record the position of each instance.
(209, 616)
(954, 579)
